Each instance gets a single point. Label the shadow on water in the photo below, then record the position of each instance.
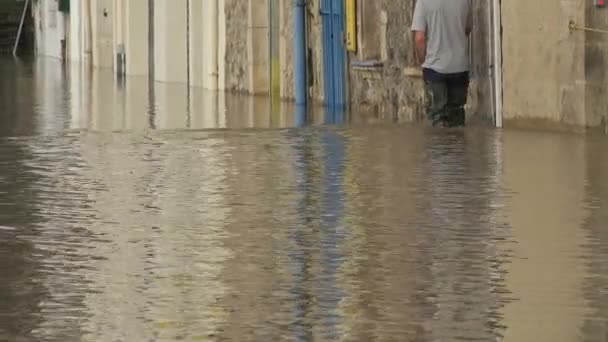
(324, 233)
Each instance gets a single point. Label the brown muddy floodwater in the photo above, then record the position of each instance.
(119, 223)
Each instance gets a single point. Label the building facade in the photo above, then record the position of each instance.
(531, 64)
(50, 21)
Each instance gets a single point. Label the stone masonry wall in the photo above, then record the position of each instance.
(551, 76)
(236, 59)
(286, 50)
(389, 92)
(385, 92)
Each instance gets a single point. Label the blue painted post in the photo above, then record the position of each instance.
(299, 20)
(301, 115)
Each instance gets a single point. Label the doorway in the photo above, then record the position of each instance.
(334, 54)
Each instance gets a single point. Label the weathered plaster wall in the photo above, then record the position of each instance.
(286, 50)
(554, 76)
(481, 104)
(543, 62)
(246, 59)
(258, 47)
(236, 57)
(596, 63)
(315, 51)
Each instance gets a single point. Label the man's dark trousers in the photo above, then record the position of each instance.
(446, 97)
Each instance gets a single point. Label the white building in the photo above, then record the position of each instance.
(176, 41)
(119, 34)
(51, 28)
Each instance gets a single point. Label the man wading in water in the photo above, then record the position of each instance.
(442, 30)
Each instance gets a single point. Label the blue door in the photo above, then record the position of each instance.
(334, 54)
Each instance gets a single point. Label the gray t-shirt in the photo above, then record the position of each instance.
(445, 23)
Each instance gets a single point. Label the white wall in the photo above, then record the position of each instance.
(103, 33)
(118, 24)
(170, 37)
(136, 37)
(113, 23)
(76, 31)
(211, 22)
(196, 41)
(221, 48)
(50, 28)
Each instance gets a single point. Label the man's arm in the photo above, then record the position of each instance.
(419, 27)
(420, 39)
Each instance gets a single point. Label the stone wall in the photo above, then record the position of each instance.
(236, 57)
(384, 92)
(286, 50)
(387, 91)
(552, 76)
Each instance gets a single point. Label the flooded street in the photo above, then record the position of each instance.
(130, 217)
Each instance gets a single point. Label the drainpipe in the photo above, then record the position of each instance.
(299, 20)
(20, 28)
(188, 50)
(497, 47)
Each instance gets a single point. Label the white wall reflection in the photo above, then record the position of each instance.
(50, 97)
(75, 97)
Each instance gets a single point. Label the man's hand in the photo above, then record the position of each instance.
(420, 40)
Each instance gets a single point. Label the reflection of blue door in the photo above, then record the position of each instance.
(333, 234)
(334, 53)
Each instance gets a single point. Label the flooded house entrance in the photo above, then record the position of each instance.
(334, 54)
